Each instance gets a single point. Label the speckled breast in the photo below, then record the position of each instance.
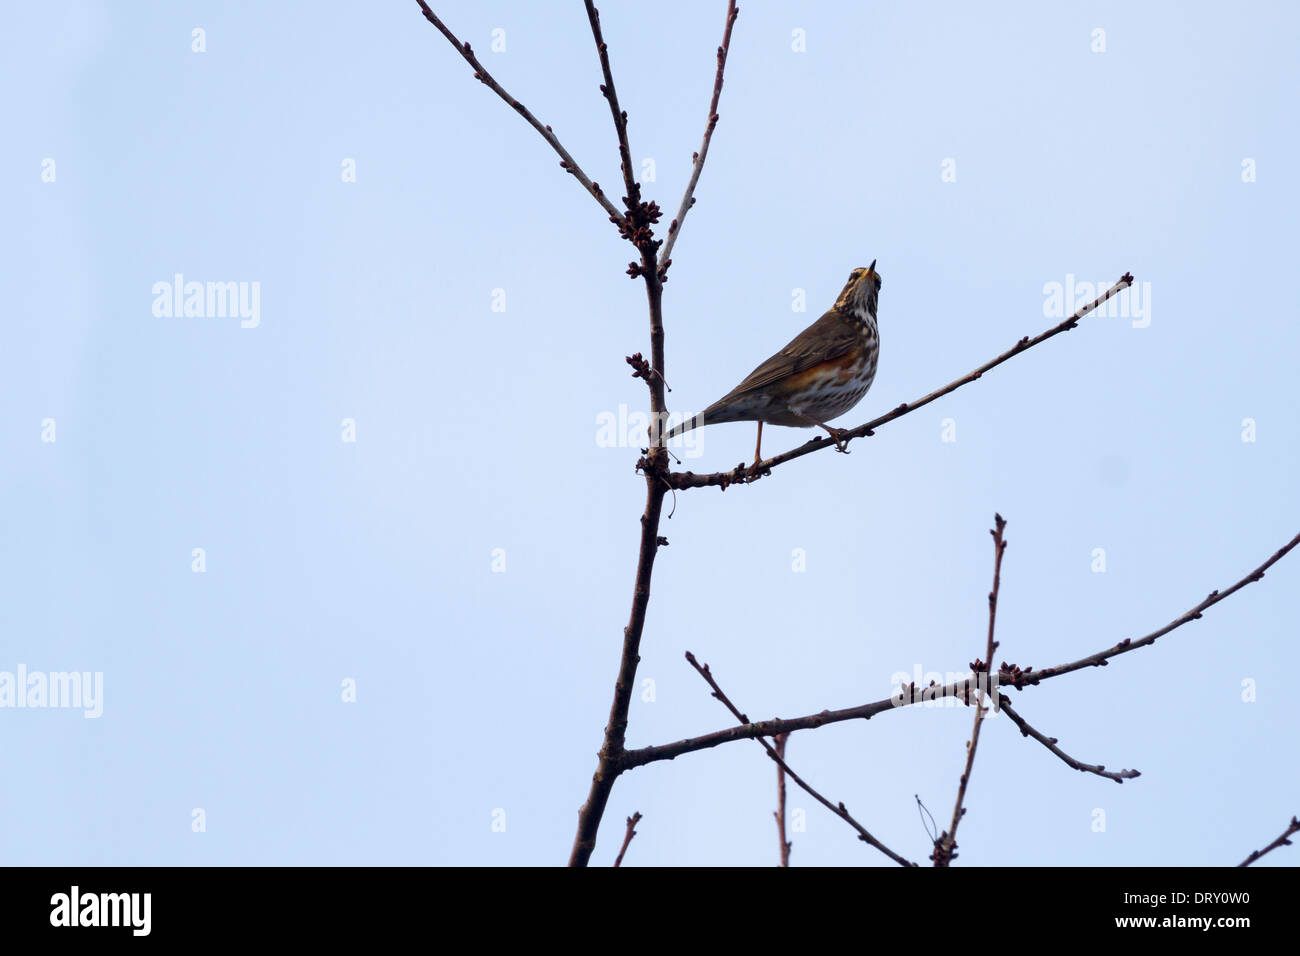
(832, 388)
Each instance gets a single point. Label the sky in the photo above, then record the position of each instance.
(344, 552)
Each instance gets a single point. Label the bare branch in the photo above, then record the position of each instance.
(636, 228)
(1028, 677)
(567, 162)
(779, 742)
(1119, 776)
(742, 474)
(612, 751)
(1283, 840)
(945, 848)
(697, 161)
(632, 821)
(620, 117)
(915, 695)
(838, 809)
(655, 467)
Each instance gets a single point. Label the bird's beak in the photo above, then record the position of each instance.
(872, 267)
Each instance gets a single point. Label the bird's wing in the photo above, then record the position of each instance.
(828, 338)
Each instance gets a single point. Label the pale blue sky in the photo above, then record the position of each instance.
(476, 429)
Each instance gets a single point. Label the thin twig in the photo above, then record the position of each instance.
(1028, 677)
(927, 818)
(567, 162)
(911, 695)
(1119, 776)
(632, 821)
(945, 848)
(1283, 840)
(620, 116)
(779, 742)
(838, 809)
(742, 475)
(697, 160)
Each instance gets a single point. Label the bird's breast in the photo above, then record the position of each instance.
(840, 372)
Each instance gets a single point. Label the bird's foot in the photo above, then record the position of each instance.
(840, 436)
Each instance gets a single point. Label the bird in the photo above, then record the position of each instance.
(823, 372)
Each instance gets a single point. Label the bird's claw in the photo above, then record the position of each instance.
(838, 435)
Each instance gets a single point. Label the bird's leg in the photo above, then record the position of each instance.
(838, 435)
(758, 448)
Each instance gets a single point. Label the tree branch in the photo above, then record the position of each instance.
(612, 752)
(1028, 677)
(620, 116)
(636, 227)
(567, 162)
(697, 160)
(1050, 743)
(779, 742)
(1007, 674)
(742, 474)
(945, 847)
(838, 809)
(1283, 840)
(632, 821)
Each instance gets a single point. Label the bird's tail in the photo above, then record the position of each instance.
(695, 421)
(713, 415)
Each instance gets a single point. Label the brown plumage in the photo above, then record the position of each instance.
(822, 373)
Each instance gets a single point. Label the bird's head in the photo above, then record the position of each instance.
(861, 290)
